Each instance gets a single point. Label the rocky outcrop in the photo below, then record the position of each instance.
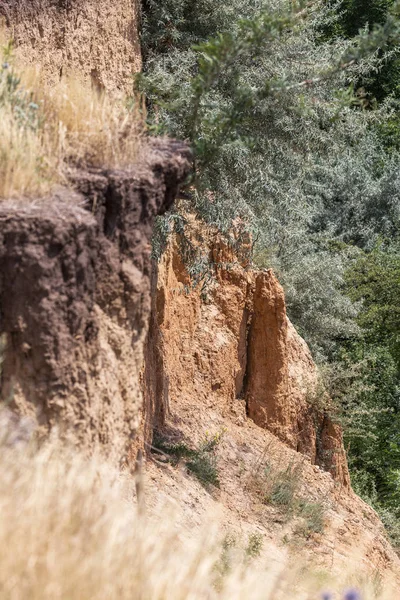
(75, 297)
(94, 39)
(237, 352)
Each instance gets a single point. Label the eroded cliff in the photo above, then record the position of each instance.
(237, 351)
(94, 39)
(75, 297)
(77, 294)
(229, 366)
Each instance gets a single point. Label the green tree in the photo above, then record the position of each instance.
(371, 401)
(353, 16)
(258, 101)
(357, 14)
(375, 280)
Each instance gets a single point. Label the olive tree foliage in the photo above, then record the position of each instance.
(252, 87)
(180, 24)
(358, 193)
(348, 17)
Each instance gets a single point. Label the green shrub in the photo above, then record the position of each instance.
(281, 487)
(313, 514)
(254, 545)
(202, 461)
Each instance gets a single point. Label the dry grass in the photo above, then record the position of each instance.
(69, 530)
(27, 163)
(93, 128)
(44, 129)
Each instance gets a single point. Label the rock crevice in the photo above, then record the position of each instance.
(236, 352)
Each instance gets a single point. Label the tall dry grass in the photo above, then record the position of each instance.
(69, 530)
(28, 164)
(45, 129)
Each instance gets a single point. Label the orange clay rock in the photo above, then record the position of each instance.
(236, 351)
(230, 362)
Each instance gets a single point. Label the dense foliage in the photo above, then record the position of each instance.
(293, 118)
(353, 15)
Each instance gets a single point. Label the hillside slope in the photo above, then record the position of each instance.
(231, 368)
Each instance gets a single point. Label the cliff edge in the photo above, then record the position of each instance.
(75, 297)
(236, 351)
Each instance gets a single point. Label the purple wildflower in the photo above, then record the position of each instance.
(326, 596)
(352, 595)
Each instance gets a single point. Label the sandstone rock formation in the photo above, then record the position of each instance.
(231, 366)
(95, 39)
(237, 351)
(74, 297)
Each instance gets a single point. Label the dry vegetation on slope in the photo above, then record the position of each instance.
(70, 529)
(44, 129)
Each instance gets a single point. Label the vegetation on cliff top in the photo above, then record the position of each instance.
(294, 118)
(45, 130)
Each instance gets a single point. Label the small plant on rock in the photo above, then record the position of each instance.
(254, 545)
(313, 518)
(280, 488)
(202, 461)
